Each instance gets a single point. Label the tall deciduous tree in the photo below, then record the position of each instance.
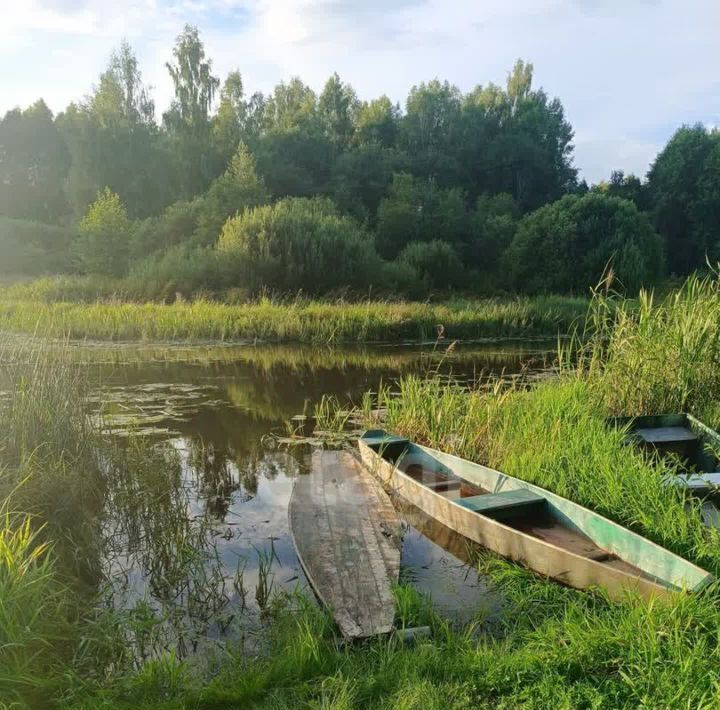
(237, 189)
(518, 141)
(114, 141)
(679, 182)
(188, 119)
(337, 107)
(104, 236)
(34, 161)
(430, 131)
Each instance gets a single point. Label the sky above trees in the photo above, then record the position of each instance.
(628, 73)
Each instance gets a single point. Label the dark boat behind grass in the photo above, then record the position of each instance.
(525, 523)
(693, 449)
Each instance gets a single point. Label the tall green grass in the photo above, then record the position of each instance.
(555, 435)
(559, 648)
(36, 615)
(34, 309)
(656, 356)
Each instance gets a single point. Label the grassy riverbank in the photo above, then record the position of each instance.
(63, 311)
(558, 647)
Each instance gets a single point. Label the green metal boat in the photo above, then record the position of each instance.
(693, 448)
(525, 523)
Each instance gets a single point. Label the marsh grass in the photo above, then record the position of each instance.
(33, 309)
(560, 648)
(36, 614)
(655, 356)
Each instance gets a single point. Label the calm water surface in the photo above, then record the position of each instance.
(206, 542)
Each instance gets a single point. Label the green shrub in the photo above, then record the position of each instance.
(436, 262)
(104, 235)
(33, 248)
(403, 279)
(299, 244)
(566, 246)
(183, 270)
(174, 226)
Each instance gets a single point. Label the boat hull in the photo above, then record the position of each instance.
(347, 537)
(541, 556)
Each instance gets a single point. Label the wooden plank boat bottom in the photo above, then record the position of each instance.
(540, 526)
(346, 534)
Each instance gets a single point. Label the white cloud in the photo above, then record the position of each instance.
(627, 72)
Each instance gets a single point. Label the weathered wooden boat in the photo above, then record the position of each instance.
(525, 523)
(347, 537)
(692, 446)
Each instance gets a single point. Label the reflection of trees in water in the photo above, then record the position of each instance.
(224, 475)
(273, 383)
(214, 477)
(162, 558)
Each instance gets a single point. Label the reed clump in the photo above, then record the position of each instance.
(656, 356)
(34, 309)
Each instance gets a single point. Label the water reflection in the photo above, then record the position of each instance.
(202, 536)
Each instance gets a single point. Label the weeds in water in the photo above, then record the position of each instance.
(239, 583)
(264, 588)
(331, 416)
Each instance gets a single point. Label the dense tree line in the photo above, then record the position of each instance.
(297, 190)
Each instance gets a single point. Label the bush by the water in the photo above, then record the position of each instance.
(568, 245)
(299, 244)
(33, 248)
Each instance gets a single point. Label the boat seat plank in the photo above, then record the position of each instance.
(666, 434)
(502, 502)
(698, 481)
(382, 440)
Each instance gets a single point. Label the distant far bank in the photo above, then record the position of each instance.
(68, 309)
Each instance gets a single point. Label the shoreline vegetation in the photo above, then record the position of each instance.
(64, 308)
(558, 647)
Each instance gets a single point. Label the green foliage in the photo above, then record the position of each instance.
(113, 141)
(683, 183)
(419, 211)
(361, 177)
(299, 244)
(104, 236)
(627, 187)
(35, 615)
(184, 270)
(569, 244)
(175, 226)
(337, 105)
(493, 227)
(461, 168)
(188, 118)
(294, 162)
(33, 248)
(658, 355)
(34, 164)
(436, 262)
(234, 191)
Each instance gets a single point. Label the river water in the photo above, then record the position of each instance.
(205, 543)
